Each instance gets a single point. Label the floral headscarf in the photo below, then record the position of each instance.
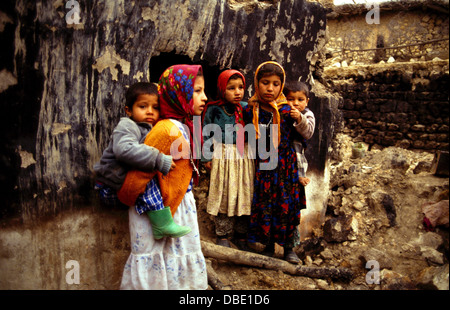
(175, 90)
(275, 104)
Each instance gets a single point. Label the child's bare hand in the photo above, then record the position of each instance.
(295, 114)
(252, 102)
(304, 181)
(173, 165)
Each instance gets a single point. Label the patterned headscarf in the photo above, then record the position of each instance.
(175, 90)
(275, 104)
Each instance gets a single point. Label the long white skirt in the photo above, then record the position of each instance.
(231, 181)
(168, 263)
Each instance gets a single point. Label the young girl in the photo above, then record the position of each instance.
(297, 95)
(126, 151)
(169, 263)
(232, 170)
(278, 196)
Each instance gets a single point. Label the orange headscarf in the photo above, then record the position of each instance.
(275, 104)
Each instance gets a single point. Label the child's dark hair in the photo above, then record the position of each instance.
(270, 69)
(294, 86)
(235, 77)
(137, 89)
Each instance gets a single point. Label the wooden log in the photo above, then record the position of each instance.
(213, 279)
(262, 261)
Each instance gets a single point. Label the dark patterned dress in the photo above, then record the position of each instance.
(278, 195)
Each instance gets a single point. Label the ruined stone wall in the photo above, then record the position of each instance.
(417, 33)
(403, 104)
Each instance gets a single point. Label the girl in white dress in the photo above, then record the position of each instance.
(169, 263)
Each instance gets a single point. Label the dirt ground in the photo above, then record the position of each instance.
(395, 238)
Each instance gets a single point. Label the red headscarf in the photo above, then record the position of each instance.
(222, 82)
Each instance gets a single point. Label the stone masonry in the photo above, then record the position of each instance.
(402, 104)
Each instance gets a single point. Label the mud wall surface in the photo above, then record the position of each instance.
(81, 250)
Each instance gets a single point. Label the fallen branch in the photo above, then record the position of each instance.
(262, 261)
(213, 279)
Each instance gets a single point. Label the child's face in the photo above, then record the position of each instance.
(234, 91)
(269, 87)
(199, 97)
(145, 109)
(297, 100)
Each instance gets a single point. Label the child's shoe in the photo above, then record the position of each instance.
(290, 256)
(164, 226)
(223, 241)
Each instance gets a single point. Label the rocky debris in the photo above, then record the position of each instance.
(383, 192)
(340, 229)
(383, 258)
(434, 278)
(312, 247)
(422, 166)
(391, 280)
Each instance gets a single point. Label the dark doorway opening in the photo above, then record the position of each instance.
(161, 62)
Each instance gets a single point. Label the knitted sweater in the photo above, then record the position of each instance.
(167, 138)
(222, 115)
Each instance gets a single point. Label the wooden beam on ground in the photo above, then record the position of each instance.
(256, 260)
